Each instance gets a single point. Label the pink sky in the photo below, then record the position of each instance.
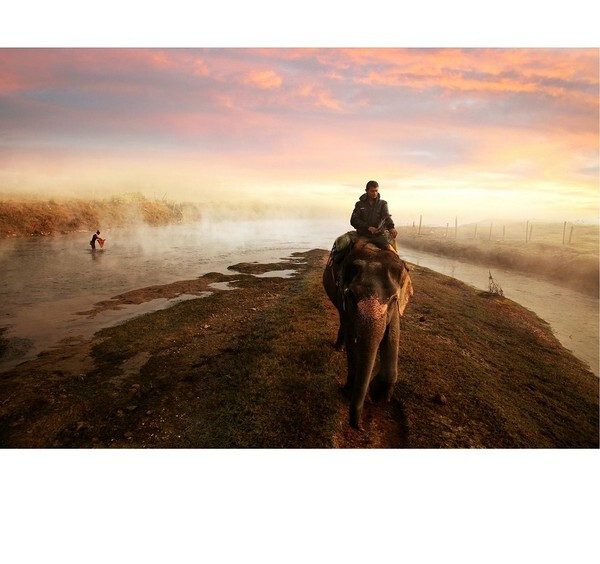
(479, 133)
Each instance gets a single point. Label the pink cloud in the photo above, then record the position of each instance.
(265, 79)
(544, 71)
(309, 111)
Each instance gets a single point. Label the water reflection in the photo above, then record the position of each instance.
(96, 253)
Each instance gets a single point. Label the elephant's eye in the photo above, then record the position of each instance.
(352, 270)
(349, 298)
(397, 273)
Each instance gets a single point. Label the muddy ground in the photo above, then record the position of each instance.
(254, 367)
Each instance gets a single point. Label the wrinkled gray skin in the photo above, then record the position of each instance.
(370, 289)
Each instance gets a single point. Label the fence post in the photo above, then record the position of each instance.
(526, 231)
(420, 220)
(571, 234)
(491, 225)
(447, 230)
(564, 229)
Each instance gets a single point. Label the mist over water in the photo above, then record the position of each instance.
(46, 281)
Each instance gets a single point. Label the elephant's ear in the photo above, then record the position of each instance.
(405, 292)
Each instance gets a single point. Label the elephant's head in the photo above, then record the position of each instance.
(374, 283)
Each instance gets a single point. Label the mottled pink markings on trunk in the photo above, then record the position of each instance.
(371, 309)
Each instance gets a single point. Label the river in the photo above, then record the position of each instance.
(46, 281)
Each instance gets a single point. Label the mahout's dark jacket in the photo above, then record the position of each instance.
(366, 215)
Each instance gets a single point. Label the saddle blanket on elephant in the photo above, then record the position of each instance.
(344, 243)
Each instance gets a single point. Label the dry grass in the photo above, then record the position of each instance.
(38, 218)
(575, 264)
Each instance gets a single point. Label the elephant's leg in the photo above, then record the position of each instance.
(382, 386)
(339, 342)
(351, 362)
(364, 370)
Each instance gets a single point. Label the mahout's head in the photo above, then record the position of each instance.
(372, 189)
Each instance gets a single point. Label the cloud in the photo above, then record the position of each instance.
(266, 79)
(444, 117)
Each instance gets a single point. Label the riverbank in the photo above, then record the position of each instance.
(255, 367)
(575, 265)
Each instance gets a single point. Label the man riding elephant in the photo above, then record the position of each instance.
(371, 218)
(371, 214)
(370, 288)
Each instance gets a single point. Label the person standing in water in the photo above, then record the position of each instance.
(96, 237)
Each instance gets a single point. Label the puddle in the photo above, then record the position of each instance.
(223, 285)
(186, 297)
(50, 332)
(277, 274)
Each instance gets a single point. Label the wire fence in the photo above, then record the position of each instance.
(565, 233)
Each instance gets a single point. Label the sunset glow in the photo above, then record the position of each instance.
(475, 133)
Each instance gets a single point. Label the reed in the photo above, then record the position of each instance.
(39, 218)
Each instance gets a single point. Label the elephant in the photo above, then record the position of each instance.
(370, 287)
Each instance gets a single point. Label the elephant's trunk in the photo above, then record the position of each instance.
(369, 328)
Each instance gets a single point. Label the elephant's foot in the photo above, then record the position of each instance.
(387, 396)
(356, 418)
(340, 341)
(381, 391)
